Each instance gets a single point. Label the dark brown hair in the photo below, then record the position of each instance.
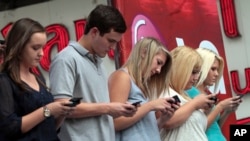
(105, 18)
(18, 36)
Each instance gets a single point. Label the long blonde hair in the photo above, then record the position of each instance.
(139, 67)
(185, 60)
(209, 57)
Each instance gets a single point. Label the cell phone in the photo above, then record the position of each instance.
(214, 99)
(176, 100)
(136, 103)
(241, 95)
(75, 101)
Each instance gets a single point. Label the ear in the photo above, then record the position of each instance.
(94, 31)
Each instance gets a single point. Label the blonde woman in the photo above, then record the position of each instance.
(143, 77)
(212, 70)
(189, 121)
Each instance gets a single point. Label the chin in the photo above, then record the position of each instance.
(188, 87)
(102, 55)
(211, 84)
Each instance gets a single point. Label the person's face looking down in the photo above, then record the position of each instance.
(212, 74)
(33, 50)
(103, 44)
(158, 62)
(193, 78)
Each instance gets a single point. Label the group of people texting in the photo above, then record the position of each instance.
(151, 76)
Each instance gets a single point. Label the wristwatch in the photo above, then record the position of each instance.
(46, 112)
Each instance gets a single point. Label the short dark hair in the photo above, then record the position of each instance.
(105, 18)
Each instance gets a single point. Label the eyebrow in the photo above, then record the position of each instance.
(113, 40)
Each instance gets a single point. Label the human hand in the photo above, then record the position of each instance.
(162, 104)
(117, 109)
(59, 108)
(230, 104)
(164, 115)
(203, 101)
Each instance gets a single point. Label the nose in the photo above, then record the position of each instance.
(113, 46)
(41, 53)
(196, 76)
(216, 73)
(158, 70)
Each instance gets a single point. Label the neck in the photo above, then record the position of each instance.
(85, 42)
(203, 88)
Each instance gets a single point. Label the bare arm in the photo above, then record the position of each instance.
(96, 109)
(213, 114)
(185, 111)
(163, 117)
(231, 106)
(57, 110)
(119, 88)
(31, 120)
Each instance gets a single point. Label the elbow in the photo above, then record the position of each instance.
(167, 126)
(120, 125)
(170, 125)
(117, 127)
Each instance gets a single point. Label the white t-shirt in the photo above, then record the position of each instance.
(193, 129)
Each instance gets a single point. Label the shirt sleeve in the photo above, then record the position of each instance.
(10, 123)
(62, 77)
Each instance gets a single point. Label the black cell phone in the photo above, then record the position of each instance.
(136, 103)
(214, 99)
(75, 101)
(241, 95)
(176, 100)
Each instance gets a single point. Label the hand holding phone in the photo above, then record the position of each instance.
(214, 99)
(176, 100)
(136, 104)
(241, 95)
(74, 101)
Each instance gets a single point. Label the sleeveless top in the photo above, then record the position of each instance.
(146, 129)
(213, 132)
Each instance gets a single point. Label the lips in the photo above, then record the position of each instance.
(38, 60)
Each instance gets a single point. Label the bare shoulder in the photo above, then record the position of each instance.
(119, 76)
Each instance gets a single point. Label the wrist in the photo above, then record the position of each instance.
(220, 107)
(46, 112)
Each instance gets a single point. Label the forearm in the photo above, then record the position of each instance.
(160, 123)
(213, 114)
(31, 120)
(121, 123)
(223, 118)
(90, 109)
(180, 115)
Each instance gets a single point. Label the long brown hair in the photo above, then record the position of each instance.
(18, 36)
